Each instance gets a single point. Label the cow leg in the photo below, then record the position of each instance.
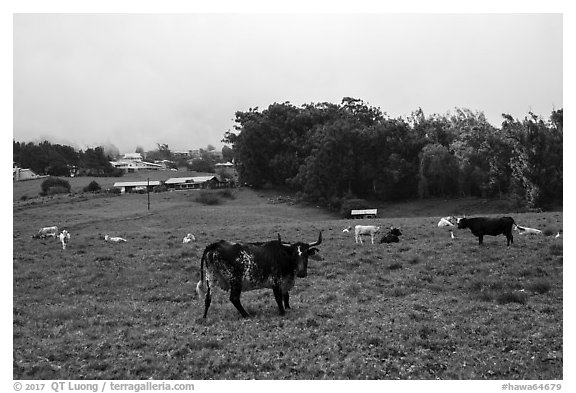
(235, 291)
(286, 301)
(207, 299)
(510, 239)
(278, 296)
(372, 236)
(480, 238)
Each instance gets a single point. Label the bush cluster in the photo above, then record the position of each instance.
(92, 187)
(208, 198)
(54, 185)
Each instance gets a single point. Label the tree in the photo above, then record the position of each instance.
(537, 158)
(227, 154)
(438, 169)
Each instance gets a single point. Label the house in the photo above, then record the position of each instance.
(193, 183)
(132, 162)
(19, 174)
(226, 170)
(136, 186)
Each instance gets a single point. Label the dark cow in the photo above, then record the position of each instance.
(391, 236)
(481, 226)
(246, 266)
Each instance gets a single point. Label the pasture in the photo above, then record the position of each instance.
(428, 307)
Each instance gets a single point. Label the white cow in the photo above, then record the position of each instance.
(446, 222)
(113, 239)
(64, 238)
(45, 232)
(360, 230)
(527, 231)
(188, 238)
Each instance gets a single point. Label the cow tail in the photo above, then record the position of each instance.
(201, 286)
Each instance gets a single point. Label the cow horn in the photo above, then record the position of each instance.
(317, 242)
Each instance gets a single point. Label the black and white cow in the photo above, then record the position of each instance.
(391, 236)
(239, 267)
(481, 226)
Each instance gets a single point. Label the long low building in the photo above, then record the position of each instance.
(136, 186)
(192, 183)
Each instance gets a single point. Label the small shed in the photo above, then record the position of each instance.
(364, 213)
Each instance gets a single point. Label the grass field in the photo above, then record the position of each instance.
(428, 307)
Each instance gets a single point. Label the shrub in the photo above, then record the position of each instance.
(23, 197)
(208, 198)
(92, 187)
(52, 182)
(226, 193)
(57, 190)
(161, 188)
(113, 190)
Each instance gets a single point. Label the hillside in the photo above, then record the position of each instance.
(412, 208)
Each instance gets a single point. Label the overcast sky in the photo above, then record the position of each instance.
(141, 79)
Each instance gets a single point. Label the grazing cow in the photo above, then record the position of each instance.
(360, 230)
(188, 238)
(64, 238)
(391, 236)
(114, 239)
(481, 226)
(446, 222)
(45, 232)
(246, 266)
(527, 231)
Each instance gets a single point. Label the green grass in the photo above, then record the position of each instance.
(428, 307)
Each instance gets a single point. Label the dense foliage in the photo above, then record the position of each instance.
(331, 153)
(55, 185)
(46, 158)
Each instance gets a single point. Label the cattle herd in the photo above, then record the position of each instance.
(239, 267)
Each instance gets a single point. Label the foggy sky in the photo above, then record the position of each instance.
(141, 79)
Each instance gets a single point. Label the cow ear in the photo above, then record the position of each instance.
(312, 251)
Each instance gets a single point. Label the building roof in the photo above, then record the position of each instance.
(136, 183)
(132, 156)
(195, 179)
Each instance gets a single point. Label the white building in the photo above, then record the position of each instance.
(132, 162)
(19, 174)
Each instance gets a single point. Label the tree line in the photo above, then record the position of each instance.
(46, 158)
(329, 153)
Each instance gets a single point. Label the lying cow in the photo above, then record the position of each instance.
(188, 238)
(361, 230)
(114, 239)
(527, 231)
(241, 267)
(391, 236)
(45, 232)
(64, 238)
(481, 226)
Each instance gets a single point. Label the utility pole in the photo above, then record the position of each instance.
(148, 193)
